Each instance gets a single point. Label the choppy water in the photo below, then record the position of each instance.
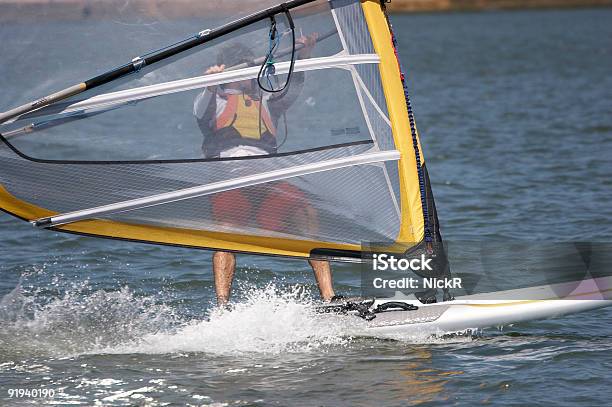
(516, 118)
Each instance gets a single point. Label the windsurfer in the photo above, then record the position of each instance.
(237, 121)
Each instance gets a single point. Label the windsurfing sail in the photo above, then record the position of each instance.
(280, 129)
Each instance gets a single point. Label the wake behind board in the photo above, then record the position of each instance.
(479, 311)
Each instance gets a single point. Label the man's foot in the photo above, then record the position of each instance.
(223, 306)
(340, 304)
(427, 297)
(343, 299)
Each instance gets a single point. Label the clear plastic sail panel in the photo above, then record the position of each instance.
(281, 136)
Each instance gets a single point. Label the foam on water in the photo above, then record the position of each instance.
(76, 321)
(267, 321)
(84, 321)
(79, 320)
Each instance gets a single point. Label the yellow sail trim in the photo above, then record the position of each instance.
(412, 222)
(172, 236)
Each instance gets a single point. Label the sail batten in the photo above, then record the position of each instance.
(109, 100)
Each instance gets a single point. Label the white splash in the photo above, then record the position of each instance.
(82, 321)
(267, 322)
(77, 321)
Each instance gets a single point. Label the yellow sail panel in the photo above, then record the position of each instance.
(412, 222)
(172, 236)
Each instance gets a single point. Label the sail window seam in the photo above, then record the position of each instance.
(181, 161)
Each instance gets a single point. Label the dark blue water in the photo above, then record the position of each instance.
(514, 109)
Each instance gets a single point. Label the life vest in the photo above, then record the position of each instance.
(246, 116)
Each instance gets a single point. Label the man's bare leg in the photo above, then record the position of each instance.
(323, 275)
(224, 266)
(307, 220)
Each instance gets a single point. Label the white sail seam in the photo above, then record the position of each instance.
(369, 95)
(182, 85)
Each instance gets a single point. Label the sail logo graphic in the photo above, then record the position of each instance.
(387, 262)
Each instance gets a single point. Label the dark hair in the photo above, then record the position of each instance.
(235, 54)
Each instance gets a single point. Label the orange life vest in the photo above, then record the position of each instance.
(246, 116)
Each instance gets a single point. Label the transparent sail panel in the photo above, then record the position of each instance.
(193, 125)
(249, 44)
(339, 201)
(309, 117)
